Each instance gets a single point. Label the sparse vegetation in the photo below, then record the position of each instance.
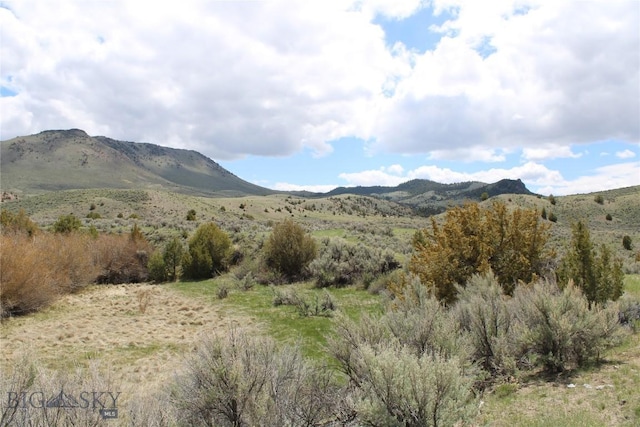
(483, 345)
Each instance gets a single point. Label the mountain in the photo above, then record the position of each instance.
(429, 197)
(57, 160)
(70, 159)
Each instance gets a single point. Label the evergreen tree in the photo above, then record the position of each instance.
(595, 272)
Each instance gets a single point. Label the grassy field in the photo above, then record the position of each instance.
(141, 333)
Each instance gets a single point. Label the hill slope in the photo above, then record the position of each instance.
(70, 159)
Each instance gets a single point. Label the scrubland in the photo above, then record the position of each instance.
(341, 326)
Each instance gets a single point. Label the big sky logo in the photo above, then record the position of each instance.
(104, 401)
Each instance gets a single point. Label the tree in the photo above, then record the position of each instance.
(595, 272)
(474, 240)
(172, 256)
(66, 224)
(289, 249)
(208, 254)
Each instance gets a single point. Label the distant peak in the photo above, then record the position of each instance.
(68, 132)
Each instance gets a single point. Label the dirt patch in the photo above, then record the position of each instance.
(139, 333)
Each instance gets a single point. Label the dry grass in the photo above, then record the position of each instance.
(140, 348)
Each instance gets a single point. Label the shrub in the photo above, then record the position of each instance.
(36, 271)
(240, 380)
(626, 243)
(289, 250)
(408, 367)
(191, 215)
(67, 224)
(17, 223)
(122, 258)
(483, 312)
(208, 254)
(93, 215)
(608, 217)
(400, 388)
(599, 199)
(29, 378)
(341, 263)
(157, 268)
(553, 217)
(556, 328)
(474, 240)
(552, 199)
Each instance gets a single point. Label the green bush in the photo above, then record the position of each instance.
(341, 263)
(556, 329)
(289, 250)
(191, 215)
(595, 272)
(399, 388)
(626, 243)
(485, 315)
(239, 380)
(157, 268)
(67, 224)
(172, 256)
(208, 254)
(599, 199)
(17, 223)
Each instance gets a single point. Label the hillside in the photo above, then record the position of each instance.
(57, 160)
(70, 159)
(429, 197)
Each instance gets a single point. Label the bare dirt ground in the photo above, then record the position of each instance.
(139, 334)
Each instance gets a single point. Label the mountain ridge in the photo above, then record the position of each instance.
(55, 160)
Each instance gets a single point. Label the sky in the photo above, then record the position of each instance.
(311, 95)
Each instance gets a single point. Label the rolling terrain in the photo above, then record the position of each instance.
(138, 335)
(59, 160)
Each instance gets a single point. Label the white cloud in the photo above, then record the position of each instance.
(554, 77)
(224, 78)
(394, 169)
(549, 151)
(604, 178)
(372, 177)
(284, 186)
(536, 176)
(625, 154)
(231, 79)
(470, 154)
